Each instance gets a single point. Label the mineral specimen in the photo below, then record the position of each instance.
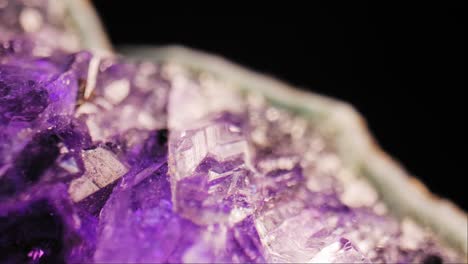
(103, 160)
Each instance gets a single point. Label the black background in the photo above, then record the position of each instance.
(401, 66)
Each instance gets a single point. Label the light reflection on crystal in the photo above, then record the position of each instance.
(36, 254)
(101, 169)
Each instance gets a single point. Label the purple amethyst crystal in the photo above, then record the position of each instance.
(104, 160)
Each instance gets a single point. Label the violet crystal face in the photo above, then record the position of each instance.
(103, 160)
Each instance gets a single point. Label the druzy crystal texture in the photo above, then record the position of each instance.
(105, 160)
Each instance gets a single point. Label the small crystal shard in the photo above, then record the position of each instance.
(101, 169)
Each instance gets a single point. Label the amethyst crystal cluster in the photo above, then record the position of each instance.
(102, 160)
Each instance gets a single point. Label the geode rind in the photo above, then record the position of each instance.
(104, 160)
